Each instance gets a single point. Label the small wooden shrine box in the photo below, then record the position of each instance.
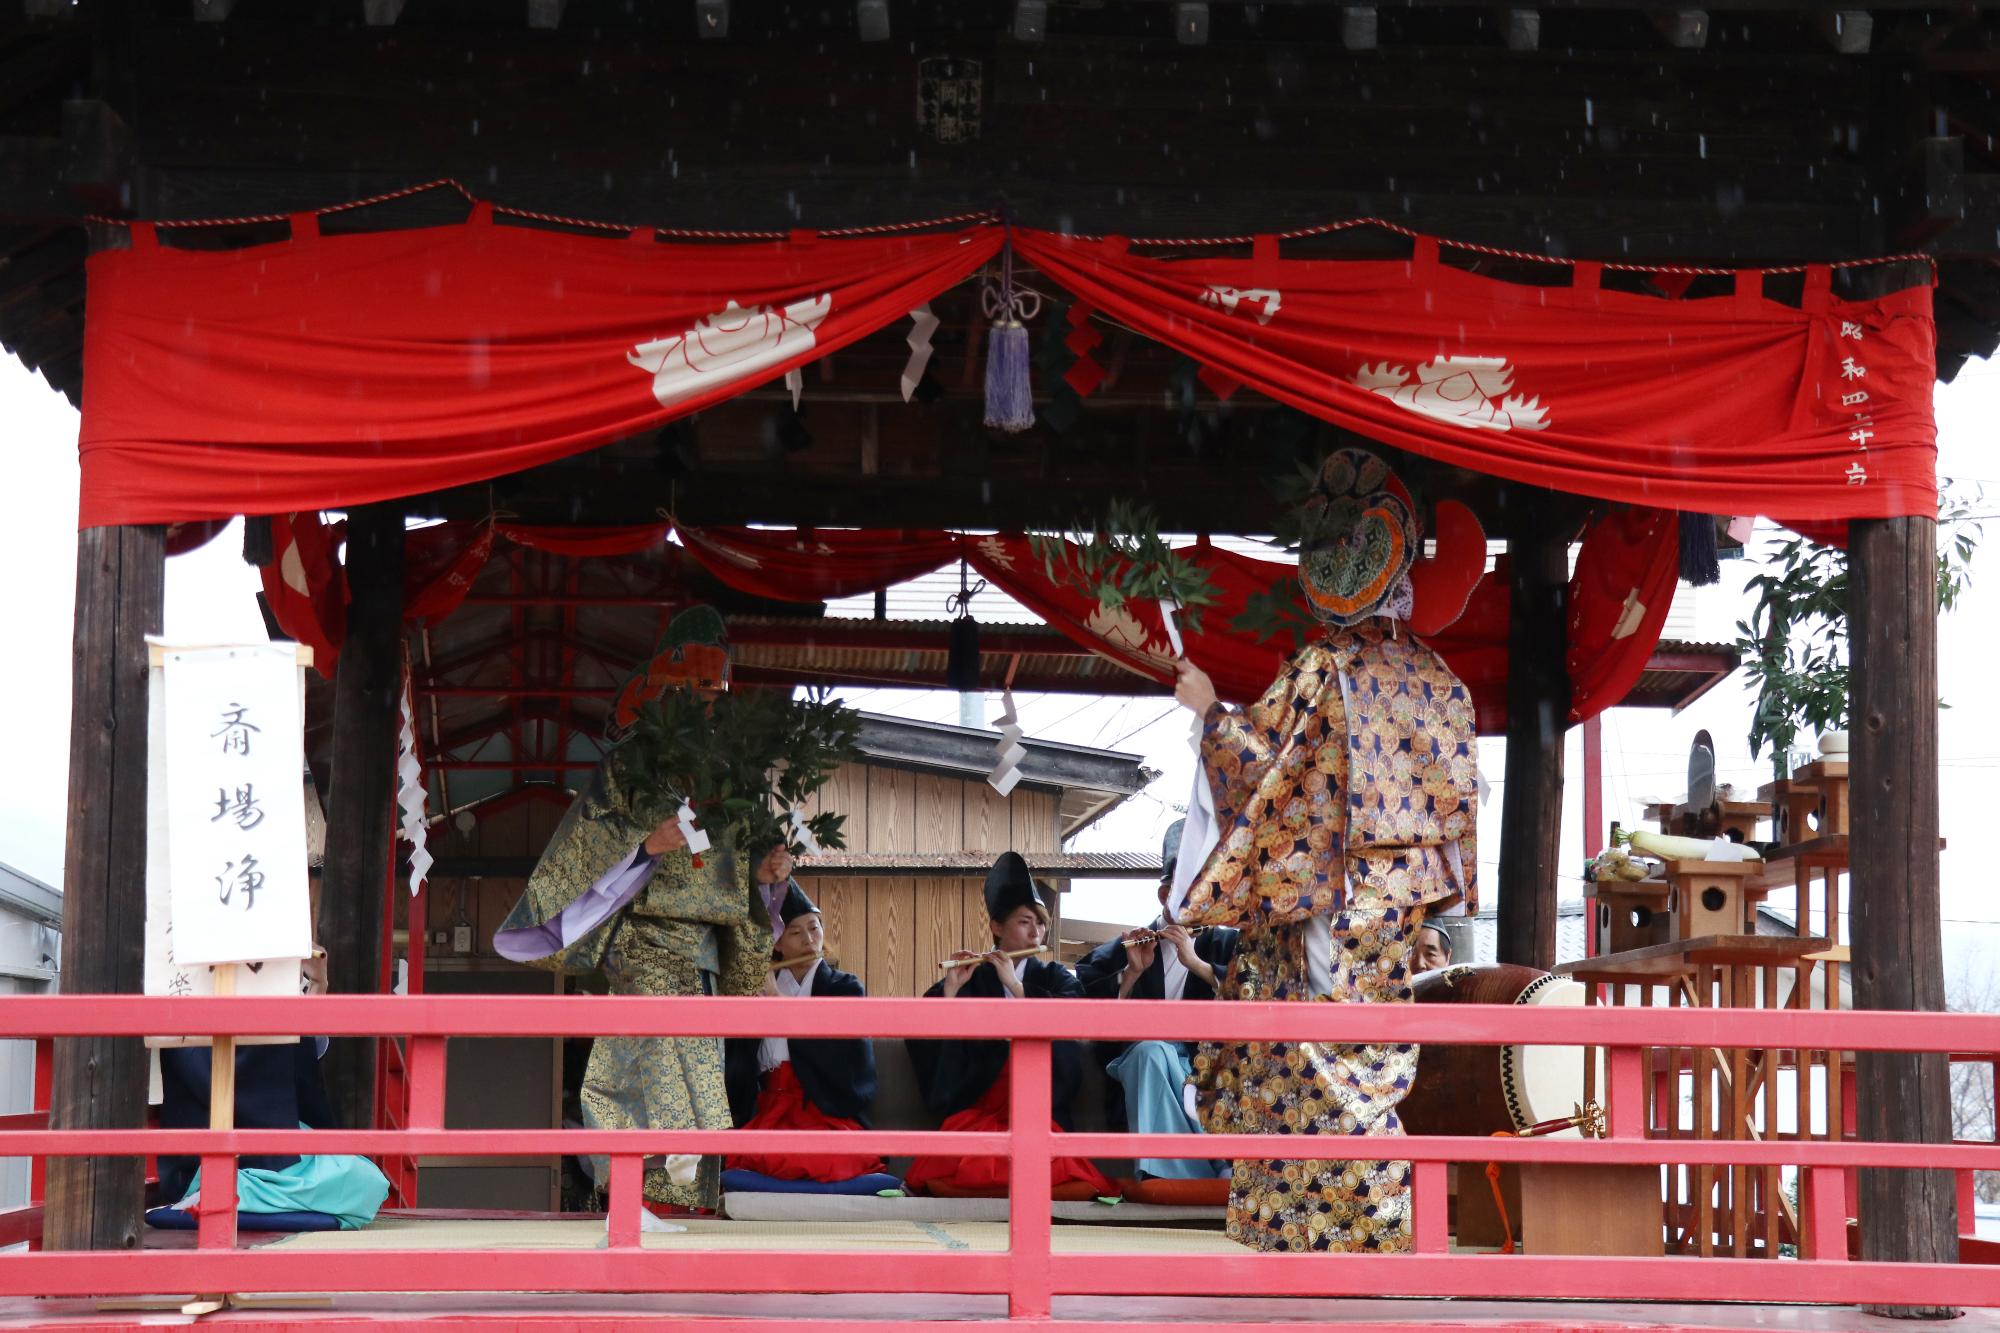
(1631, 914)
(1713, 897)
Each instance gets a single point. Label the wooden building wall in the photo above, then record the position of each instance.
(890, 930)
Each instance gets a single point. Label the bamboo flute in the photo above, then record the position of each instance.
(949, 963)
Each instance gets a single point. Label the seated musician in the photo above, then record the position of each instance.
(778, 1083)
(964, 1082)
(277, 1087)
(1146, 1082)
(1433, 948)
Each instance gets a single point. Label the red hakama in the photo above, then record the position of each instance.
(782, 1104)
(1070, 1178)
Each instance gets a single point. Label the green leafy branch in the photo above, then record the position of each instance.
(1125, 558)
(1277, 611)
(743, 760)
(1795, 643)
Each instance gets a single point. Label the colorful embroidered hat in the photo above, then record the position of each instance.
(692, 654)
(1360, 537)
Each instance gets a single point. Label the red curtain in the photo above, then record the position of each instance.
(322, 372)
(1724, 405)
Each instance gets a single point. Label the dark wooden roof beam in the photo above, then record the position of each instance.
(1684, 29)
(1848, 31)
(1360, 29)
(871, 20)
(1934, 199)
(1523, 28)
(1191, 24)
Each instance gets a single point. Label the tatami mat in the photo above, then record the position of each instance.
(719, 1234)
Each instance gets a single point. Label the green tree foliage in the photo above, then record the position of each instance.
(1125, 558)
(1795, 643)
(743, 759)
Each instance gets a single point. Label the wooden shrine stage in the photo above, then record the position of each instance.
(826, 1242)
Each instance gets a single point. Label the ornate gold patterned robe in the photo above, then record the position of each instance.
(1348, 793)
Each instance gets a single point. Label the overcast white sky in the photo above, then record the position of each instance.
(210, 595)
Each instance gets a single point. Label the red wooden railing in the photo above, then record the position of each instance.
(1028, 1273)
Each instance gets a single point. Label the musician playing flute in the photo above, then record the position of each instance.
(1346, 808)
(1146, 1082)
(964, 1082)
(781, 1083)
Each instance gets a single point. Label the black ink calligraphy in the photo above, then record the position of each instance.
(246, 876)
(242, 807)
(235, 732)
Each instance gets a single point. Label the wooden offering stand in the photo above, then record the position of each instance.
(1735, 1095)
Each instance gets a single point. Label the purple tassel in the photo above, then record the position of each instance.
(1010, 398)
(1701, 563)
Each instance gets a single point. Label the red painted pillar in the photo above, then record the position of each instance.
(1028, 1180)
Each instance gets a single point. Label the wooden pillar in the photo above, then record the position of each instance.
(1894, 918)
(359, 822)
(100, 1082)
(1538, 695)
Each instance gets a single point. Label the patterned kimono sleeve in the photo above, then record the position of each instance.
(1239, 745)
(1241, 753)
(745, 956)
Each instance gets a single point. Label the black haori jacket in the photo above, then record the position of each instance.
(838, 1075)
(954, 1075)
(1098, 970)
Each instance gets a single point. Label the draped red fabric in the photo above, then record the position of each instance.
(306, 587)
(1619, 596)
(1722, 405)
(439, 564)
(586, 541)
(810, 565)
(326, 371)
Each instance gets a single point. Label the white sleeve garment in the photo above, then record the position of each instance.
(592, 908)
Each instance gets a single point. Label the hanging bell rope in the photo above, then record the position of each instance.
(1010, 396)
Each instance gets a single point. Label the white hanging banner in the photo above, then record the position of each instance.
(164, 973)
(235, 813)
